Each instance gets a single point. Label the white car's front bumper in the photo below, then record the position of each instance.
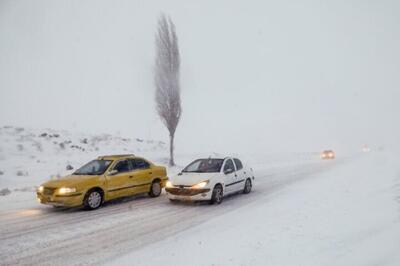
(189, 194)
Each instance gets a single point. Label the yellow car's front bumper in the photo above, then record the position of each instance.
(71, 200)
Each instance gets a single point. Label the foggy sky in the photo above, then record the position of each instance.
(256, 75)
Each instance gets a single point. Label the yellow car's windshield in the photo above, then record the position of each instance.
(95, 167)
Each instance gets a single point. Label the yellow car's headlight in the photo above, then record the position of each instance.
(40, 189)
(66, 190)
(169, 184)
(200, 185)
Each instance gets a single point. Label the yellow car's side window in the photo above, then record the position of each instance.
(122, 166)
(139, 164)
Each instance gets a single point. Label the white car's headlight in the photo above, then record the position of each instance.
(201, 184)
(40, 189)
(66, 190)
(169, 184)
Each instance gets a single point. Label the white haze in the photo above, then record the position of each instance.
(256, 75)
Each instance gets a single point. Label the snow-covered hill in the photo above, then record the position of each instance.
(31, 156)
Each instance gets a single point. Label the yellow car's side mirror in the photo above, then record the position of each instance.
(113, 172)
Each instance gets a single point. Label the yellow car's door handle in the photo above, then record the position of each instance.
(131, 176)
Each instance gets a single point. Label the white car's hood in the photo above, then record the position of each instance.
(190, 179)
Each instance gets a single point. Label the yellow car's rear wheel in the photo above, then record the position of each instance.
(155, 189)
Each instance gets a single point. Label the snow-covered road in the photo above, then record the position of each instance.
(45, 236)
(338, 213)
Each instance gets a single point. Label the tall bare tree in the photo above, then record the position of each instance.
(166, 77)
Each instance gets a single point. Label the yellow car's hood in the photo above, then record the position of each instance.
(69, 180)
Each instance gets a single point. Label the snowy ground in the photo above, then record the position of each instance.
(346, 215)
(303, 211)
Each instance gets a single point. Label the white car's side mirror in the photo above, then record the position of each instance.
(228, 171)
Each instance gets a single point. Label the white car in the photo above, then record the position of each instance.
(210, 180)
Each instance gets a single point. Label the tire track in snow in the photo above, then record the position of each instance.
(54, 218)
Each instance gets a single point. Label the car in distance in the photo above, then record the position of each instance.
(365, 148)
(328, 154)
(210, 180)
(103, 179)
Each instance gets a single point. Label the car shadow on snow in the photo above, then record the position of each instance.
(205, 202)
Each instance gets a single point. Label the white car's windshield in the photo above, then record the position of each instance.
(95, 167)
(204, 166)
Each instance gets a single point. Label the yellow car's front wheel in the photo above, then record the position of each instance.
(93, 199)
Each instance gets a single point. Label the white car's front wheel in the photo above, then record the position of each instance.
(217, 195)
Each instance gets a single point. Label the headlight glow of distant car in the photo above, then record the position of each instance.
(66, 190)
(200, 185)
(40, 189)
(169, 184)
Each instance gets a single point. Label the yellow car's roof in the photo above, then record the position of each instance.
(115, 157)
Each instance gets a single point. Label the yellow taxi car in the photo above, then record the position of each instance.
(103, 179)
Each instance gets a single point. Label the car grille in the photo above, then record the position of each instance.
(186, 191)
(49, 191)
